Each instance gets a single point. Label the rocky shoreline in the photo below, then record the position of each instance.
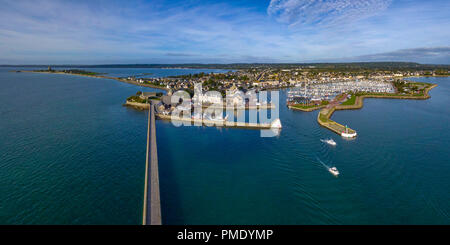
(137, 105)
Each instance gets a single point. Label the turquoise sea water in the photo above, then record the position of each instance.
(71, 154)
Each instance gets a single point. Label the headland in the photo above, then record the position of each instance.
(96, 75)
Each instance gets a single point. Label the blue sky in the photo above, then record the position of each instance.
(207, 31)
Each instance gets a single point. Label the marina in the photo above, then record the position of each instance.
(314, 93)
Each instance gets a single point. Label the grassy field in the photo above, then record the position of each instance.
(350, 101)
(323, 118)
(137, 99)
(305, 106)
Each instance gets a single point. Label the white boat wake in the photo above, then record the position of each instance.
(332, 170)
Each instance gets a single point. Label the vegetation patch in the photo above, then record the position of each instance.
(71, 71)
(300, 106)
(323, 118)
(137, 98)
(350, 101)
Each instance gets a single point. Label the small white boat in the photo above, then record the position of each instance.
(276, 124)
(333, 171)
(329, 141)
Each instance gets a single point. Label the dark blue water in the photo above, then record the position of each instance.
(71, 154)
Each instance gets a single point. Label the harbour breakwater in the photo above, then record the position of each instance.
(323, 118)
(137, 105)
(306, 109)
(145, 106)
(237, 107)
(359, 101)
(206, 122)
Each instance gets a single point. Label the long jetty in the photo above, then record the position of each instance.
(227, 124)
(152, 203)
(241, 107)
(323, 118)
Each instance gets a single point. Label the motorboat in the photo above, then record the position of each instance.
(333, 171)
(329, 141)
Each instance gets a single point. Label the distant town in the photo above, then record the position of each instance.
(267, 77)
(328, 87)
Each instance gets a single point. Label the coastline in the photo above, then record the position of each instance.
(144, 106)
(100, 76)
(359, 102)
(211, 123)
(136, 105)
(235, 107)
(323, 118)
(306, 109)
(326, 122)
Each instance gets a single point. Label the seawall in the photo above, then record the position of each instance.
(136, 105)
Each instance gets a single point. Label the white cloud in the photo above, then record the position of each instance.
(324, 12)
(47, 31)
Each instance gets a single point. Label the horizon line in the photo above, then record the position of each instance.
(234, 63)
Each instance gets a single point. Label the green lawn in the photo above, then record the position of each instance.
(323, 118)
(311, 106)
(350, 101)
(136, 98)
(304, 106)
